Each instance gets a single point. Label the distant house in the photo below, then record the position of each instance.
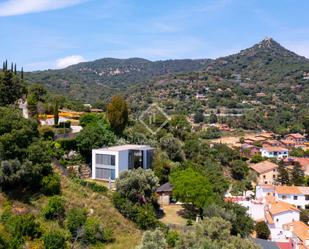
(266, 244)
(297, 138)
(165, 193)
(108, 163)
(267, 172)
(274, 152)
(249, 150)
(272, 143)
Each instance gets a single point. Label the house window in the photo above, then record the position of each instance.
(283, 197)
(295, 197)
(264, 176)
(105, 159)
(277, 220)
(105, 174)
(275, 153)
(307, 197)
(274, 176)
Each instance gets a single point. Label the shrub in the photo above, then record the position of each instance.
(51, 185)
(94, 232)
(54, 240)
(76, 218)
(23, 225)
(142, 215)
(67, 144)
(47, 132)
(262, 230)
(54, 209)
(153, 240)
(171, 238)
(3, 243)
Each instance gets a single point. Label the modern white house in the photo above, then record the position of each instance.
(274, 152)
(109, 162)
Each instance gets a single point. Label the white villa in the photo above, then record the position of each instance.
(109, 162)
(274, 152)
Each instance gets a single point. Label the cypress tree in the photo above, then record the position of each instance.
(15, 69)
(12, 67)
(22, 73)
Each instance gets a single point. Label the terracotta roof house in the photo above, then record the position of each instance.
(297, 196)
(300, 233)
(272, 142)
(277, 214)
(299, 139)
(266, 171)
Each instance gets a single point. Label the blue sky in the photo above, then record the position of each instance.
(42, 34)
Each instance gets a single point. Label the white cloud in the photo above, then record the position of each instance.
(69, 60)
(21, 7)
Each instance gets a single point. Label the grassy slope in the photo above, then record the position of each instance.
(125, 232)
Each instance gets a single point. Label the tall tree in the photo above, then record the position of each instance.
(283, 175)
(297, 175)
(56, 113)
(117, 114)
(11, 88)
(190, 186)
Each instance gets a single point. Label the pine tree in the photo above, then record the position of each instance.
(283, 175)
(297, 176)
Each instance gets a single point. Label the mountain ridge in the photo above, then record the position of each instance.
(266, 60)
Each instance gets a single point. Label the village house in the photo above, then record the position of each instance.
(271, 143)
(299, 234)
(298, 196)
(274, 152)
(266, 171)
(249, 150)
(108, 163)
(296, 137)
(277, 214)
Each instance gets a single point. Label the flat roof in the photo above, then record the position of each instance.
(126, 147)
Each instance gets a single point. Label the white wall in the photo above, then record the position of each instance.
(268, 154)
(301, 201)
(123, 162)
(261, 192)
(277, 232)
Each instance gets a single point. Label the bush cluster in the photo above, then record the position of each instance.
(143, 215)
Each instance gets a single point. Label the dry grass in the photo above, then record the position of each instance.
(172, 215)
(125, 232)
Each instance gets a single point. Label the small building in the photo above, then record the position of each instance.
(296, 137)
(267, 172)
(108, 163)
(277, 214)
(165, 193)
(249, 150)
(299, 234)
(274, 152)
(272, 143)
